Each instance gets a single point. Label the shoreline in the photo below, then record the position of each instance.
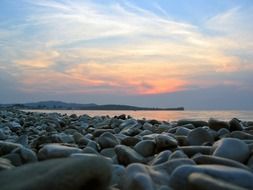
(122, 152)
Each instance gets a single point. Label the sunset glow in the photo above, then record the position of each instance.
(90, 49)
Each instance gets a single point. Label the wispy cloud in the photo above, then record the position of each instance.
(38, 60)
(93, 48)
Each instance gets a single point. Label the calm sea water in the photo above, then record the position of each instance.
(163, 115)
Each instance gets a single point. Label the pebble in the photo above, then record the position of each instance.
(199, 181)
(216, 124)
(108, 152)
(231, 148)
(164, 142)
(235, 125)
(241, 135)
(199, 136)
(192, 150)
(195, 123)
(170, 165)
(145, 148)
(206, 159)
(234, 176)
(107, 140)
(5, 164)
(178, 154)
(88, 172)
(83, 152)
(182, 131)
(127, 155)
(130, 141)
(50, 151)
(161, 157)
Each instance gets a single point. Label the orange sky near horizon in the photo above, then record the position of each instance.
(125, 48)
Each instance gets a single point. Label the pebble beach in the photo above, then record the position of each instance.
(42, 151)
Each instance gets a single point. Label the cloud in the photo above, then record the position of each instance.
(87, 48)
(38, 60)
(234, 25)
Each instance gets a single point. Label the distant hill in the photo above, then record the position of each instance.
(75, 106)
(57, 105)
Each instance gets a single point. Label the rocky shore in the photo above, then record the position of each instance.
(54, 151)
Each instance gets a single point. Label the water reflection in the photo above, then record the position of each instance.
(163, 115)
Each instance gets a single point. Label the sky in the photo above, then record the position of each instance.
(159, 53)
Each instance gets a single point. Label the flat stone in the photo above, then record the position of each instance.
(192, 150)
(182, 131)
(231, 148)
(27, 155)
(7, 147)
(145, 132)
(241, 135)
(162, 127)
(223, 132)
(164, 142)
(145, 148)
(206, 160)
(93, 144)
(88, 150)
(178, 154)
(148, 126)
(170, 165)
(108, 152)
(50, 151)
(83, 141)
(216, 124)
(130, 141)
(128, 123)
(131, 131)
(196, 123)
(99, 132)
(161, 157)
(89, 172)
(107, 140)
(127, 155)
(199, 181)
(235, 176)
(65, 138)
(235, 125)
(199, 136)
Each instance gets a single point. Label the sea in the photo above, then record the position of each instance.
(163, 115)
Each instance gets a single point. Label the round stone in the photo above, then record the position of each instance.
(127, 155)
(56, 151)
(234, 176)
(164, 142)
(86, 172)
(145, 148)
(107, 140)
(199, 136)
(231, 148)
(216, 124)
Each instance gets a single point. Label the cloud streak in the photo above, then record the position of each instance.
(88, 48)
